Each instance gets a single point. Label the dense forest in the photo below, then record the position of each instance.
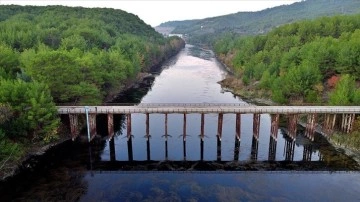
(59, 54)
(205, 31)
(311, 61)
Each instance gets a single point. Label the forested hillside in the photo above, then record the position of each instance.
(81, 54)
(59, 54)
(299, 62)
(206, 30)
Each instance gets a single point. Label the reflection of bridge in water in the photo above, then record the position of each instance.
(306, 163)
(288, 150)
(328, 118)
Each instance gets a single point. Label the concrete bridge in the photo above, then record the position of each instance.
(331, 116)
(327, 118)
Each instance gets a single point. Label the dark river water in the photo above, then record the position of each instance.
(166, 168)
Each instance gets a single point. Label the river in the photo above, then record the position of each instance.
(177, 171)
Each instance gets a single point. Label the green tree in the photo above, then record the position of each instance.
(9, 61)
(34, 112)
(349, 56)
(73, 41)
(345, 91)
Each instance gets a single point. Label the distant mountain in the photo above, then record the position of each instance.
(250, 23)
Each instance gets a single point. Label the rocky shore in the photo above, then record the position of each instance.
(247, 93)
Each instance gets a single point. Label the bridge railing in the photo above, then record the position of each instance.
(158, 104)
(209, 108)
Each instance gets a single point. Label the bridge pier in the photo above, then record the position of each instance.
(238, 126)
(74, 119)
(310, 126)
(128, 126)
(110, 122)
(166, 136)
(202, 134)
(129, 137)
(329, 124)
(112, 150)
(236, 149)
(347, 122)
(218, 147)
(274, 125)
(237, 137)
(272, 148)
(92, 122)
(292, 126)
(219, 135)
(289, 149)
(254, 148)
(220, 122)
(307, 152)
(184, 137)
(147, 137)
(256, 125)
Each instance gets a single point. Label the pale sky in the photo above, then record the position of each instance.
(156, 12)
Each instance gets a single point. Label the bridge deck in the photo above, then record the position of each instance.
(209, 108)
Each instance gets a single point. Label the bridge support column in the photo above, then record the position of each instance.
(74, 119)
(110, 121)
(329, 124)
(254, 148)
(238, 127)
(92, 122)
(347, 122)
(256, 126)
(147, 137)
(310, 126)
(166, 136)
(237, 137)
(128, 126)
(292, 125)
(236, 149)
(289, 149)
(272, 148)
(129, 137)
(112, 149)
(274, 125)
(184, 137)
(202, 134)
(219, 135)
(220, 123)
(307, 153)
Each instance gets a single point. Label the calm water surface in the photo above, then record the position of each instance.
(101, 171)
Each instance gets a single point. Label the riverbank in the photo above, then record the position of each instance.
(248, 93)
(353, 153)
(259, 97)
(251, 93)
(13, 167)
(142, 78)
